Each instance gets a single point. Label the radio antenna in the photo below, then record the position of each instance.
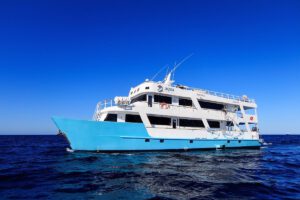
(159, 72)
(179, 64)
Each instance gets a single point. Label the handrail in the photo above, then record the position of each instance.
(102, 105)
(224, 95)
(105, 104)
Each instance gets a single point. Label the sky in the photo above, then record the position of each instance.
(59, 58)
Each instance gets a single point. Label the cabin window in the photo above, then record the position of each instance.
(160, 120)
(191, 123)
(242, 127)
(229, 123)
(185, 102)
(210, 105)
(162, 99)
(147, 88)
(139, 98)
(111, 117)
(150, 101)
(213, 124)
(133, 118)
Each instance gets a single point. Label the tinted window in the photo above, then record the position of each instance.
(228, 123)
(162, 99)
(133, 118)
(140, 98)
(210, 105)
(111, 117)
(213, 124)
(190, 123)
(185, 102)
(159, 120)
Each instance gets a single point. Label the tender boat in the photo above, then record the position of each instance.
(164, 116)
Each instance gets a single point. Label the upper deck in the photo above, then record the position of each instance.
(186, 92)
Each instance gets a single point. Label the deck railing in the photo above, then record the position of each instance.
(224, 95)
(101, 105)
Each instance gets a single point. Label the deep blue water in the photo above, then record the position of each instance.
(38, 167)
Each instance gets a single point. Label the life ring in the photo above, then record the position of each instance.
(251, 118)
(164, 106)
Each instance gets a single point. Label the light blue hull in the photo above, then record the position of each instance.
(113, 136)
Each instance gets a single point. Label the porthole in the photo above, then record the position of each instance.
(228, 141)
(147, 140)
(191, 141)
(240, 141)
(161, 141)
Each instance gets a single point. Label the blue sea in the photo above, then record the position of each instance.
(39, 167)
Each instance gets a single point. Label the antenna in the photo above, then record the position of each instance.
(181, 62)
(159, 72)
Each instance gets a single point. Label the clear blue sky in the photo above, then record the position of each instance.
(61, 57)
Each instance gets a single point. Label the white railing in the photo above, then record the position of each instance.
(224, 95)
(102, 105)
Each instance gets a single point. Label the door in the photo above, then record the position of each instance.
(174, 123)
(150, 101)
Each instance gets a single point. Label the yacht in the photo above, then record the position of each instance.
(160, 115)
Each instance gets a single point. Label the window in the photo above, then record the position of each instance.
(229, 123)
(210, 105)
(139, 98)
(133, 118)
(147, 140)
(147, 88)
(185, 102)
(191, 123)
(161, 141)
(160, 120)
(162, 99)
(242, 127)
(111, 117)
(213, 124)
(191, 141)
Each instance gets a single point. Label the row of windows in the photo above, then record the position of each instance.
(128, 118)
(182, 122)
(191, 141)
(137, 90)
(139, 98)
(162, 99)
(195, 123)
(210, 105)
(182, 102)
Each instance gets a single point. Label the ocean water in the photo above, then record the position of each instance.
(39, 167)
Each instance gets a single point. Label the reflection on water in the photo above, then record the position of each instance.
(39, 167)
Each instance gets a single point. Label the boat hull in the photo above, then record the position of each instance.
(113, 137)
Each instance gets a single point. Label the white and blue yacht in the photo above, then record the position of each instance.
(164, 116)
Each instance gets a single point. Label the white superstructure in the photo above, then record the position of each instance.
(179, 112)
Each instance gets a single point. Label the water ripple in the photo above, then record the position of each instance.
(38, 167)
